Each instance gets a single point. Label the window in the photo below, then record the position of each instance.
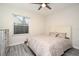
(21, 24)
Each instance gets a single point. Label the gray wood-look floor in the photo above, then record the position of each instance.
(19, 50)
(71, 52)
(23, 50)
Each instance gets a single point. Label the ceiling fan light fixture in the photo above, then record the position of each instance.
(43, 5)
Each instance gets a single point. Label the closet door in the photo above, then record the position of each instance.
(2, 43)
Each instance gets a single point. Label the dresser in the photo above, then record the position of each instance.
(4, 37)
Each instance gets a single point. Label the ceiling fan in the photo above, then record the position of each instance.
(42, 5)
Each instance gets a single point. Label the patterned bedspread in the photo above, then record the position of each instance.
(48, 46)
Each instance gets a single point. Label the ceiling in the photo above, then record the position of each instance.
(44, 11)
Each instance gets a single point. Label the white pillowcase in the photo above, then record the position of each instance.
(53, 34)
(57, 34)
(61, 35)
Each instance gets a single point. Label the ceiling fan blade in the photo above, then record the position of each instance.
(48, 6)
(39, 7)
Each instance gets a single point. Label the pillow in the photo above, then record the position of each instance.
(61, 35)
(53, 34)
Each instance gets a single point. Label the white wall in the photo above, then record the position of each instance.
(6, 21)
(66, 17)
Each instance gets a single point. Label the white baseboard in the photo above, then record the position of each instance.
(16, 43)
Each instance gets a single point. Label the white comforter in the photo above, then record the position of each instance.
(48, 46)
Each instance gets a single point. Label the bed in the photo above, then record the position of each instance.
(53, 44)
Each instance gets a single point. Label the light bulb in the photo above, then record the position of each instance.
(43, 5)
